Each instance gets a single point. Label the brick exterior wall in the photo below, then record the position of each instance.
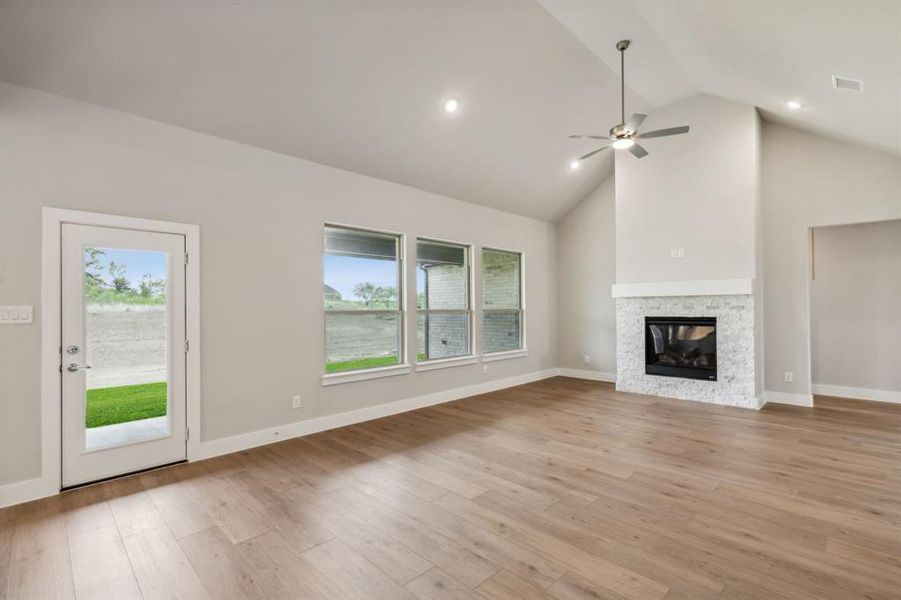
(500, 289)
(448, 334)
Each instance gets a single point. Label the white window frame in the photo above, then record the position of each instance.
(402, 367)
(523, 350)
(470, 357)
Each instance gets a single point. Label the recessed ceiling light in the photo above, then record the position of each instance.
(623, 144)
(451, 105)
(575, 165)
(793, 105)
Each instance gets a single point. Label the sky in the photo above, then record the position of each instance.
(138, 262)
(344, 272)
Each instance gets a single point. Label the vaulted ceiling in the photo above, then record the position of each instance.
(355, 85)
(360, 85)
(762, 53)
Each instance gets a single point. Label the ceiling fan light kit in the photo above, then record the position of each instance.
(624, 135)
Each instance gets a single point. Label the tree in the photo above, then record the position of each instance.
(151, 287)
(93, 267)
(120, 281)
(365, 292)
(385, 295)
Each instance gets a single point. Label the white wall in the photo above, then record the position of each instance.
(809, 181)
(586, 268)
(855, 306)
(696, 191)
(261, 216)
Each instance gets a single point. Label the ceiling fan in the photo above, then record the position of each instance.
(624, 135)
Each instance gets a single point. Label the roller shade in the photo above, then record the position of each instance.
(436, 253)
(352, 242)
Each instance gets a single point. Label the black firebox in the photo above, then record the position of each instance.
(680, 347)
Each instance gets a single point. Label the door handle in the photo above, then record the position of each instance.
(72, 368)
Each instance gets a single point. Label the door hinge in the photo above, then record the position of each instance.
(186, 258)
(187, 433)
(187, 346)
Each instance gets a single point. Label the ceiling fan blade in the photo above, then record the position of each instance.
(664, 132)
(593, 152)
(637, 151)
(635, 122)
(589, 137)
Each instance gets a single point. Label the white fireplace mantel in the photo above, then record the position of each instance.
(698, 287)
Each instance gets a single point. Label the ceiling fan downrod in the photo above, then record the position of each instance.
(622, 46)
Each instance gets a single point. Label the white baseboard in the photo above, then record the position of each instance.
(787, 398)
(586, 374)
(34, 489)
(244, 441)
(26, 491)
(842, 391)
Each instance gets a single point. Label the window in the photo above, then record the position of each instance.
(444, 316)
(502, 312)
(362, 294)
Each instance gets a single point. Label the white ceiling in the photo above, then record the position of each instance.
(355, 85)
(359, 84)
(760, 53)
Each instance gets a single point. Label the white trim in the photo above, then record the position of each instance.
(33, 489)
(363, 375)
(446, 363)
(699, 287)
(493, 356)
(772, 397)
(586, 374)
(244, 441)
(841, 391)
(26, 491)
(52, 220)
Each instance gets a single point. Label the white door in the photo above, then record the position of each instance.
(123, 351)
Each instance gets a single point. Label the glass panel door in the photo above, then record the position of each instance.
(122, 351)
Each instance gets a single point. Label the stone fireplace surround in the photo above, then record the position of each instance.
(731, 301)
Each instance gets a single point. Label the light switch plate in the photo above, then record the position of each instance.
(16, 315)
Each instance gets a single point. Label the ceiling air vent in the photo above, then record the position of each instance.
(848, 85)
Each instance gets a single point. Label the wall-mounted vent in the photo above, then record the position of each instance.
(848, 85)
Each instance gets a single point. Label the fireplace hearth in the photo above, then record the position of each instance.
(681, 347)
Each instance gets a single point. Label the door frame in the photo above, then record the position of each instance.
(51, 329)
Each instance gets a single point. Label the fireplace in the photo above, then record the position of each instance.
(681, 347)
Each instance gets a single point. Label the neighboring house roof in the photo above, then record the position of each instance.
(330, 292)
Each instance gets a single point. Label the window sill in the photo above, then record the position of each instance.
(505, 355)
(446, 363)
(377, 373)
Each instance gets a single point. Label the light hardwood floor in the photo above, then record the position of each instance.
(562, 489)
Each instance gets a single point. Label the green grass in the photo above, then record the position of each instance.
(360, 363)
(104, 296)
(108, 406)
(365, 363)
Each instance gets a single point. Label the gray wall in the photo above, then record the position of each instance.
(697, 191)
(855, 306)
(261, 216)
(586, 268)
(809, 181)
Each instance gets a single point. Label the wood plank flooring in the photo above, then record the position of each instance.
(558, 489)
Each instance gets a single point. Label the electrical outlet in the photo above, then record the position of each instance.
(587, 359)
(789, 376)
(295, 402)
(484, 368)
(680, 252)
